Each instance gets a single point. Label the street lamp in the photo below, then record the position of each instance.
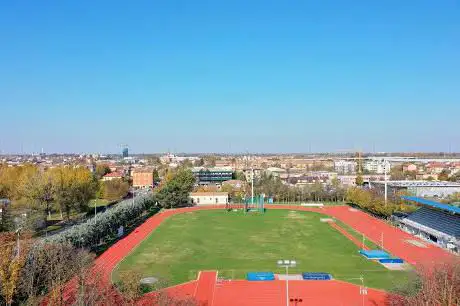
(95, 211)
(18, 231)
(362, 288)
(287, 263)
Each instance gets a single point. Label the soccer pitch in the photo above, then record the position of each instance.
(235, 243)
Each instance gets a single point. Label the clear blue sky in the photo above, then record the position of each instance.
(214, 76)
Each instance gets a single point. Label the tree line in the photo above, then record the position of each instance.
(371, 201)
(38, 192)
(273, 187)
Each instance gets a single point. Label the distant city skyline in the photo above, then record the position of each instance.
(230, 77)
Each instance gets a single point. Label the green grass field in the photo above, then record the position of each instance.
(234, 243)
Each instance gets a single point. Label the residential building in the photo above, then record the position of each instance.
(142, 177)
(377, 165)
(275, 172)
(409, 168)
(112, 176)
(208, 198)
(436, 167)
(345, 166)
(248, 174)
(350, 180)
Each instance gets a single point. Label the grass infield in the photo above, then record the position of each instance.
(235, 243)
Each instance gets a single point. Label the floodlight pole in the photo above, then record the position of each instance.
(252, 186)
(386, 178)
(287, 285)
(286, 264)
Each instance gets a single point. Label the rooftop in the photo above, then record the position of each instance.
(114, 174)
(418, 184)
(208, 193)
(213, 169)
(433, 204)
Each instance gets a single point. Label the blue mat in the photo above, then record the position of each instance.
(391, 260)
(260, 276)
(374, 254)
(316, 276)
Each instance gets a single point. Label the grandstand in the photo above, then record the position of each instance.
(435, 222)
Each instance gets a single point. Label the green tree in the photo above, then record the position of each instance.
(359, 180)
(239, 175)
(6, 221)
(175, 192)
(156, 176)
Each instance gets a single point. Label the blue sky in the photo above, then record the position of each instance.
(216, 76)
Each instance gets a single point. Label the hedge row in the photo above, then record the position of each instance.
(106, 224)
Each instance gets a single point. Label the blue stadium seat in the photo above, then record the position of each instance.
(438, 220)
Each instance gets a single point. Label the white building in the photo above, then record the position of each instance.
(275, 172)
(377, 165)
(208, 198)
(345, 166)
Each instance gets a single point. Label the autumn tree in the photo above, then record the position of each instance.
(444, 175)
(37, 188)
(199, 162)
(101, 170)
(73, 188)
(396, 173)
(239, 175)
(114, 189)
(187, 163)
(13, 254)
(9, 178)
(437, 284)
(130, 285)
(359, 180)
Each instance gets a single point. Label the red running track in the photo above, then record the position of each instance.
(241, 292)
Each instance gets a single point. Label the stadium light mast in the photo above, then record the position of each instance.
(287, 263)
(385, 168)
(252, 185)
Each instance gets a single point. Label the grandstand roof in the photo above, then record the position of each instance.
(418, 183)
(433, 204)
